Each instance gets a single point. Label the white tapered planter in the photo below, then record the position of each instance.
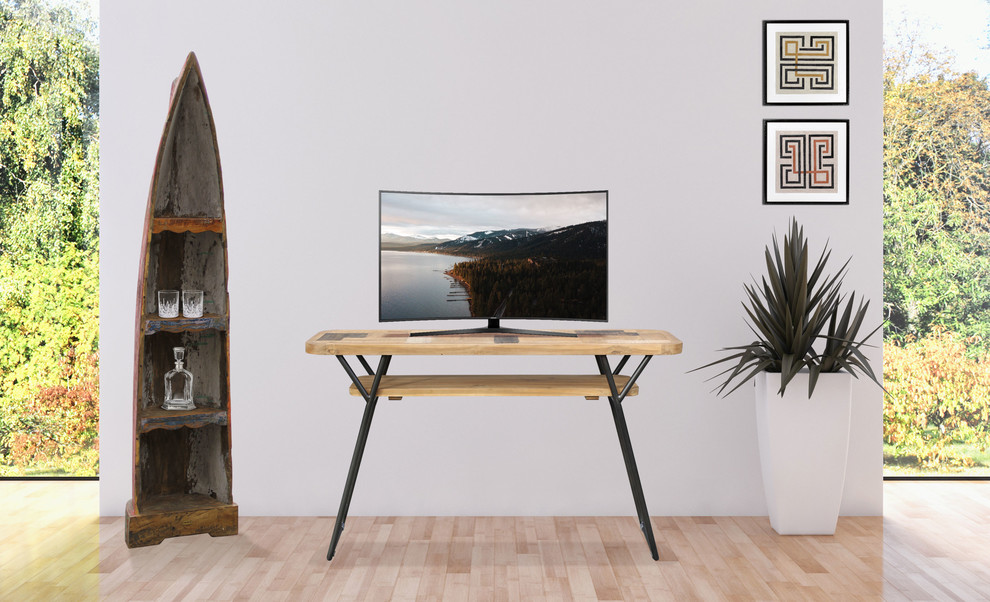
(803, 448)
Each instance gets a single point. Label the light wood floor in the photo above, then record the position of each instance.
(932, 544)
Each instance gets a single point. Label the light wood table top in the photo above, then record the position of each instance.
(588, 342)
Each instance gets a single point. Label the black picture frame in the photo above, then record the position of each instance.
(825, 79)
(818, 153)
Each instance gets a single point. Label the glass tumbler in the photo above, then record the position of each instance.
(192, 304)
(168, 304)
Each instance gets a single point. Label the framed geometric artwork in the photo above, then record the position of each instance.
(805, 161)
(806, 62)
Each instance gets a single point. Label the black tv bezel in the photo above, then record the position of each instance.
(492, 194)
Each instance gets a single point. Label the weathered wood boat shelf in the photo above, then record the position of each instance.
(153, 324)
(172, 515)
(186, 224)
(182, 476)
(150, 419)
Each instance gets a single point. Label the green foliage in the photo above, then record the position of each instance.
(936, 259)
(49, 267)
(939, 398)
(936, 196)
(788, 314)
(49, 340)
(49, 130)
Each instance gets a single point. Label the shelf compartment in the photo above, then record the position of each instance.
(151, 418)
(187, 180)
(151, 323)
(177, 514)
(184, 461)
(187, 260)
(449, 385)
(206, 359)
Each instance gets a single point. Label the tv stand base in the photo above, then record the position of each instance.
(493, 328)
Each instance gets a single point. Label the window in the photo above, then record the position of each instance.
(936, 238)
(49, 238)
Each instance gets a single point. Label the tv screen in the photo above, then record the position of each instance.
(527, 256)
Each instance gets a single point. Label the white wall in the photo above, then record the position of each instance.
(318, 105)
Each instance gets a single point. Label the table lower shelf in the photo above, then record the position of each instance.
(450, 385)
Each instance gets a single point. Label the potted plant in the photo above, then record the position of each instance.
(805, 352)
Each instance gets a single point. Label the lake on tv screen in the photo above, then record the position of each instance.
(416, 287)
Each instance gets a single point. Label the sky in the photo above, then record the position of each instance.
(452, 216)
(92, 6)
(962, 26)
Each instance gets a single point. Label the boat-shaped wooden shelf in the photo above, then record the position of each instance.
(181, 459)
(186, 224)
(150, 419)
(152, 323)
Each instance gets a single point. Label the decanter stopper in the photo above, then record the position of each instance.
(178, 384)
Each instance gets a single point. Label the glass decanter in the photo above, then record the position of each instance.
(178, 384)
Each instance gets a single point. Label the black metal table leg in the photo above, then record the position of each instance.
(371, 400)
(615, 401)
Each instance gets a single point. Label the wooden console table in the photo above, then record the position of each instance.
(598, 343)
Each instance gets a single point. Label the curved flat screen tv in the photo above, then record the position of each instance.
(493, 256)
